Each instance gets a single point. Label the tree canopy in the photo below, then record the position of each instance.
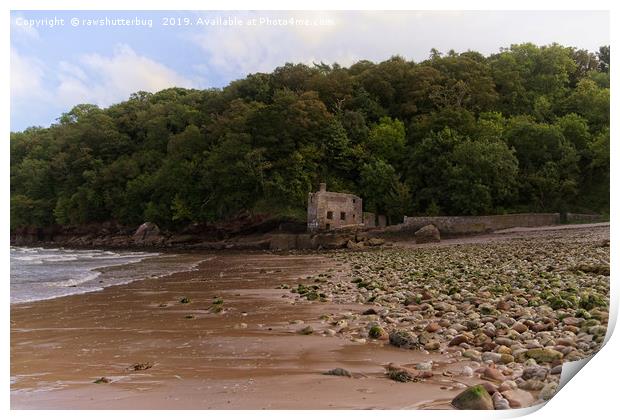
(525, 129)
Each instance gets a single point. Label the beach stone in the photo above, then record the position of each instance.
(532, 385)
(597, 330)
(519, 327)
(355, 245)
(467, 371)
(504, 341)
(506, 358)
(544, 355)
(403, 374)
(548, 391)
(375, 242)
(432, 345)
(460, 339)
(445, 307)
(433, 327)
(330, 332)
(472, 354)
(506, 385)
(556, 370)
(499, 402)
(307, 330)
(404, 338)
(534, 372)
(493, 374)
(491, 388)
(378, 333)
(339, 372)
(493, 357)
(572, 321)
(518, 398)
(473, 398)
(427, 234)
(504, 350)
(488, 347)
(565, 342)
(147, 234)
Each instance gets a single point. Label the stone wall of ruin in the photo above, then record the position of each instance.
(464, 225)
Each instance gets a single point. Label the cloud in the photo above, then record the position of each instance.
(93, 78)
(232, 52)
(239, 50)
(104, 80)
(27, 77)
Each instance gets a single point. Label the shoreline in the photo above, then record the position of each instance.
(103, 276)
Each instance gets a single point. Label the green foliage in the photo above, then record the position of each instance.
(524, 129)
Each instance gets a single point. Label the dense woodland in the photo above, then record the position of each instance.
(526, 129)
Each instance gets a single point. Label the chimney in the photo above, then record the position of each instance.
(322, 187)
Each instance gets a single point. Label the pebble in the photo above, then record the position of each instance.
(467, 371)
(424, 366)
(506, 385)
(492, 374)
(499, 402)
(432, 345)
(518, 398)
(532, 385)
(548, 391)
(493, 357)
(472, 355)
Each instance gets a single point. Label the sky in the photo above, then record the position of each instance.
(63, 58)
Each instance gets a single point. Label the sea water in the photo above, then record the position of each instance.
(46, 273)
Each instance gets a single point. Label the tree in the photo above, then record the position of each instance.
(525, 129)
(377, 182)
(386, 140)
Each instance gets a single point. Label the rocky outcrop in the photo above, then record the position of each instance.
(427, 234)
(333, 240)
(283, 242)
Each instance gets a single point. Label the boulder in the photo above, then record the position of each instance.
(147, 234)
(355, 245)
(375, 241)
(473, 398)
(427, 234)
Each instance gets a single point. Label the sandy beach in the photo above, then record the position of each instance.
(222, 336)
(61, 346)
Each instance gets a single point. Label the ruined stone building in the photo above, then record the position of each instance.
(331, 210)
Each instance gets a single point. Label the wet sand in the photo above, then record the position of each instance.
(203, 359)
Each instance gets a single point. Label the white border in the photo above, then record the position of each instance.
(590, 395)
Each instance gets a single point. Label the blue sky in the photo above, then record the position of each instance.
(55, 68)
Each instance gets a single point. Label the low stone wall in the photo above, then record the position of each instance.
(584, 218)
(467, 225)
